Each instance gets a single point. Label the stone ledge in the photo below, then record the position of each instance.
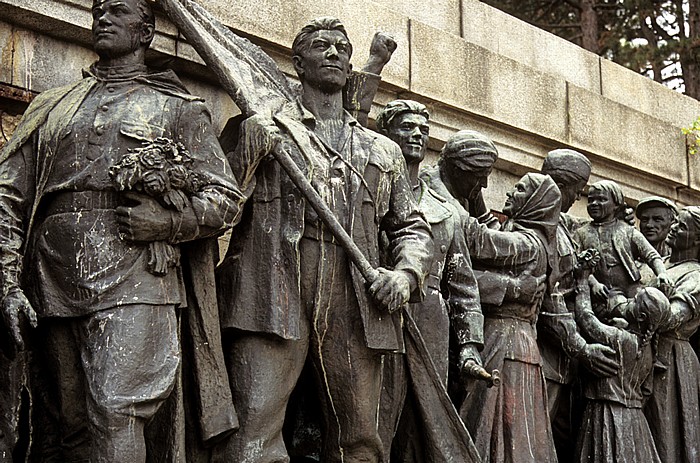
(643, 94)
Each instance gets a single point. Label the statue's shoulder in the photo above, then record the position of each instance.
(49, 98)
(168, 83)
(435, 206)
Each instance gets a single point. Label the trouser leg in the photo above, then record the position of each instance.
(348, 372)
(131, 359)
(559, 401)
(263, 370)
(393, 398)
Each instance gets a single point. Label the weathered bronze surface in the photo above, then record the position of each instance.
(369, 308)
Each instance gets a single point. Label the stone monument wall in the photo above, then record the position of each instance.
(472, 65)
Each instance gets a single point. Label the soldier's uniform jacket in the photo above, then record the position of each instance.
(451, 273)
(259, 281)
(54, 187)
(558, 337)
(58, 183)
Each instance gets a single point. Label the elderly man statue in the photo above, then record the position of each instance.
(101, 268)
(288, 292)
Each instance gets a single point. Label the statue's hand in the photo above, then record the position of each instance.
(599, 359)
(600, 291)
(383, 46)
(262, 136)
(627, 215)
(664, 283)
(144, 219)
(477, 206)
(15, 306)
(391, 289)
(468, 352)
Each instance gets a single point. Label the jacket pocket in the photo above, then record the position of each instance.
(141, 130)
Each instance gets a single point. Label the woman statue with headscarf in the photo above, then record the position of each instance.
(673, 410)
(511, 423)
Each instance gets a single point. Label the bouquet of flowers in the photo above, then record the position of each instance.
(161, 169)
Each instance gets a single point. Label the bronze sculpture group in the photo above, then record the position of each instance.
(367, 310)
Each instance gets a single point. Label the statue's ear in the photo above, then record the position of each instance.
(298, 65)
(148, 31)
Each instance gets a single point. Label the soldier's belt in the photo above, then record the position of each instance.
(81, 201)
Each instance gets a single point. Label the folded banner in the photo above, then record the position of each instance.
(245, 71)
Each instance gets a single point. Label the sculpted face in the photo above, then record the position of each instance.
(683, 235)
(118, 28)
(570, 193)
(655, 223)
(474, 181)
(601, 206)
(325, 62)
(517, 197)
(466, 184)
(411, 132)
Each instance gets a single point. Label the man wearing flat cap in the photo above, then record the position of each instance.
(463, 169)
(78, 251)
(656, 215)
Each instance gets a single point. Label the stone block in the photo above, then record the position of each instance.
(67, 19)
(643, 94)
(506, 35)
(618, 133)
(278, 22)
(440, 14)
(7, 50)
(694, 171)
(42, 62)
(461, 74)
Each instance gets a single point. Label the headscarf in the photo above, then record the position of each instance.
(540, 214)
(694, 212)
(612, 188)
(470, 151)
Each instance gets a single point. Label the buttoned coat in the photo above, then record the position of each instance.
(259, 281)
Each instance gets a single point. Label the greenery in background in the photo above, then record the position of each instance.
(658, 38)
(692, 134)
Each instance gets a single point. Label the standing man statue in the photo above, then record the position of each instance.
(288, 292)
(452, 296)
(77, 253)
